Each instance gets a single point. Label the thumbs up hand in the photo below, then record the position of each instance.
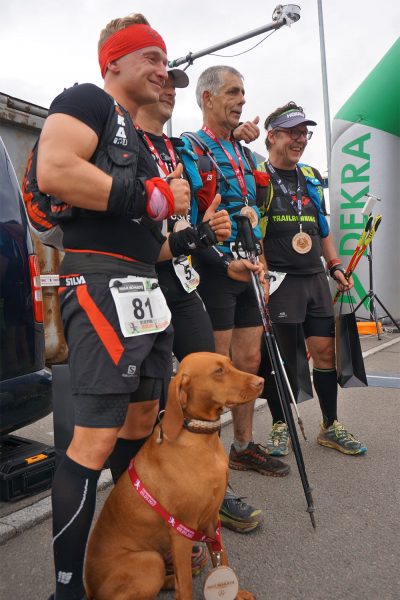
(248, 131)
(180, 189)
(219, 221)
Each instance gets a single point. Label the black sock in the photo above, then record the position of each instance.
(121, 456)
(325, 383)
(73, 501)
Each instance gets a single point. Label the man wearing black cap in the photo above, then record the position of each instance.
(193, 330)
(296, 235)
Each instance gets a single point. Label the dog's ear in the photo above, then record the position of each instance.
(172, 422)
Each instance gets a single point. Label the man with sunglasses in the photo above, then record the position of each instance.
(296, 235)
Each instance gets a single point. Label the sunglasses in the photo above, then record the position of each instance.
(295, 134)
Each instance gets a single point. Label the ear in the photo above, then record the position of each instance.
(207, 99)
(113, 66)
(172, 422)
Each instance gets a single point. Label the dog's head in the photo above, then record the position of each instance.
(205, 384)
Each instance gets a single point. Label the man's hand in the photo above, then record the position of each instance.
(248, 131)
(240, 270)
(343, 284)
(180, 189)
(220, 222)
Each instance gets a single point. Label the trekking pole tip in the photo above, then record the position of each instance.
(300, 422)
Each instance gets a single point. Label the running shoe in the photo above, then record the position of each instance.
(337, 437)
(255, 458)
(237, 515)
(199, 561)
(278, 440)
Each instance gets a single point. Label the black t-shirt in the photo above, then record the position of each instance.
(100, 231)
(283, 224)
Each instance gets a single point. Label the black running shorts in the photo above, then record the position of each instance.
(102, 361)
(304, 299)
(230, 304)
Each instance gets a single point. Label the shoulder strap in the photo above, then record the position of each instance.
(196, 140)
(249, 156)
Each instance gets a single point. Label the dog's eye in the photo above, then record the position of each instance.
(218, 371)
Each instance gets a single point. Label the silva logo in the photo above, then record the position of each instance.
(209, 177)
(75, 280)
(130, 372)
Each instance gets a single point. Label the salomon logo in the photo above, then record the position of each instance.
(130, 371)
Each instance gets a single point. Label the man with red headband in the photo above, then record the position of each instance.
(116, 320)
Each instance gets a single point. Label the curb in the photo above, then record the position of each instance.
(16, 523)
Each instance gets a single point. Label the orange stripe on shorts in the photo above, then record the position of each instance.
(103, 328)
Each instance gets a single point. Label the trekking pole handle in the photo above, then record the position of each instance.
(245, 234)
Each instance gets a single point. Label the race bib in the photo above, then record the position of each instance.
(140, 304)
(186, 274)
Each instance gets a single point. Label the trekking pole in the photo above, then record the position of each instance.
(248, 245)
(366, 237)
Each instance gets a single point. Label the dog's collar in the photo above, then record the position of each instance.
(199, 426)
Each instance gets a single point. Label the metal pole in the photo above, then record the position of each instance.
(282, 15)
(328, 136)
(191, 56)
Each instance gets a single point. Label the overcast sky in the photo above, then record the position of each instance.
(47, 45)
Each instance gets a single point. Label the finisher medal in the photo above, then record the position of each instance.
(251, 214)
(301, 242)
(221, 582)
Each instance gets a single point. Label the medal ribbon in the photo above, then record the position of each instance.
(180, 527)
(278, 181)
(237, 169)
(156, 154)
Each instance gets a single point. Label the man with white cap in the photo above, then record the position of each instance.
(296, 235)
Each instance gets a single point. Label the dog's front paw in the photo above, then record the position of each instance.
(245, 595)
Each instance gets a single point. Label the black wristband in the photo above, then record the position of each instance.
(338, 267)
(125, 200)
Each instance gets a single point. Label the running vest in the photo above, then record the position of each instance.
(315, 191)
(116, 154)
(207, 175)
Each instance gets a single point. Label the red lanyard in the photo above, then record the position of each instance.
(156, 154)
(180, 527)
(238, 170)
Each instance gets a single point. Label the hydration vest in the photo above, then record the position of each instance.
(315, 191)
(116, 154)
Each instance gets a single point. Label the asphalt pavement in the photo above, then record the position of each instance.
(352, 555)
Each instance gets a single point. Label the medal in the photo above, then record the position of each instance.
(221, 582)
(251, 214)
(180, 225)
(301, 242)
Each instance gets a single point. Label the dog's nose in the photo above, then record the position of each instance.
(257, 383)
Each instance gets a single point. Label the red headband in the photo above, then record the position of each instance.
(128, 40)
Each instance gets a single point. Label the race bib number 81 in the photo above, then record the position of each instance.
(140, 304)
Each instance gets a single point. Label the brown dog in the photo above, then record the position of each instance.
(187, 473)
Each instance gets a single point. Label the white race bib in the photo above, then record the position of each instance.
(140, 304)
(186, 274)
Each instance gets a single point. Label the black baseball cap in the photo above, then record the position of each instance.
(181, 80)
(290, 118)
